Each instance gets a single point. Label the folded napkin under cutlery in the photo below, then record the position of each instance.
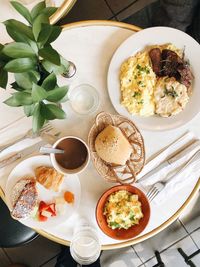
(171, 159)
(11, 156)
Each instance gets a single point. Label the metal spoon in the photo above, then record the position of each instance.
(49, 150)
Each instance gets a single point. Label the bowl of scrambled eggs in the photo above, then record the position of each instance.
(123, 212)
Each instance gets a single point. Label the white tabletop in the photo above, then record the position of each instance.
(91, 49)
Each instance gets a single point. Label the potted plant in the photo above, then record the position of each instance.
(35, 65)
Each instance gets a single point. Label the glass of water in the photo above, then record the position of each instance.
(85, 246)
(84, 99)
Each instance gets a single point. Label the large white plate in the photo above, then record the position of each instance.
(137, 42)
(71, 183)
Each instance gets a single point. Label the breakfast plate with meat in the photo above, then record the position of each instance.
(153, 80)
(39, 196)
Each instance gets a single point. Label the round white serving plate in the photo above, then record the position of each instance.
(136, 43)
(70, 183)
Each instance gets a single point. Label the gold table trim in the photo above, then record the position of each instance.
(62, 10)
(175, 215)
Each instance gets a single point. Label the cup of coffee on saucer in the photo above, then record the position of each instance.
(75, 158)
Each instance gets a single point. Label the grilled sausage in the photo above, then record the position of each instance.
(155, 56)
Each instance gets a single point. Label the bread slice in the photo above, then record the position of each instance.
(112, 146)
(24, 198)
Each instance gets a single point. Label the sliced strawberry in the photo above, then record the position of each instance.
(42, 218)
(52, 207)
(43, 206)
(46, 213)
(47, 207)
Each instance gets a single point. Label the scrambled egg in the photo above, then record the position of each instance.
(142, 93)
(137, 83)
(123, 210)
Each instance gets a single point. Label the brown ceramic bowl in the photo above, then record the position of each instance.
(123, 233)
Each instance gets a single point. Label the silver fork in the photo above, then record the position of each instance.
(29, 134)
(159, 186)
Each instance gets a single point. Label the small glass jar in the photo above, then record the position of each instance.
(84, 99)
(85, 246)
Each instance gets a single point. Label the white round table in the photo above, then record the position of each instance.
(90, 45)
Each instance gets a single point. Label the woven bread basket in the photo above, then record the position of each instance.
(127, 173)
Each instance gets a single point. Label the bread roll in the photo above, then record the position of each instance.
(112, 146)
(24, 198)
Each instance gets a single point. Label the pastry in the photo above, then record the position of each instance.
(49, 178)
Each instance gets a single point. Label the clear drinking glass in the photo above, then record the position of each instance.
(85, 247)
(84, 99)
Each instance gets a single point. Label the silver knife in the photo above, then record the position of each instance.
(174, 158)
(23, 153)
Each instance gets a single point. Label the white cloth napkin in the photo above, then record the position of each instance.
(180, 180)
(12, 133)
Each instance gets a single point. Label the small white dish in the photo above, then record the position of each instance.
(70, 183)
(136, 43)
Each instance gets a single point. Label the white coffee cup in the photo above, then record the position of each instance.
(63, 170)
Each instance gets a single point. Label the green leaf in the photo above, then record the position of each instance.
(3, 78)
(23, 98)
(25, 80)
(64, 99)
(22, 10)
(57, 94)
(37, 9)
(19, 27)
(37, 24)
(36, 74)
(50, 54)
(16, 36)
(50, 82)
(19, 99)
(51, 112)
(38, 93)
(55, 32)
(50, 67)
(15, 86)
(65, 65)
(12, 102)
(38, 120)
(49, 11)
(3, 58)
(29, 109)
(45, 33)
(18, 50)
(20, 65)
(34, 46)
